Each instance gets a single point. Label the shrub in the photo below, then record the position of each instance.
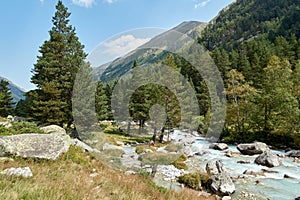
(25, 127)
(179, 163)
(4, 131)
(194, 180)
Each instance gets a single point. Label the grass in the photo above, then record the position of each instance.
(70, 178)
(158, 158)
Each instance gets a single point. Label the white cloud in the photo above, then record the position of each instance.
(84, 3)
(202, 4)
(123, 45)
(110, 1)
(42, 1)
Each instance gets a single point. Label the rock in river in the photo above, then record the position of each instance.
(220, 181)
(268, 159)
(218, 146)
(252, 148)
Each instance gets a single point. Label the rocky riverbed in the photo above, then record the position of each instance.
(252, 180)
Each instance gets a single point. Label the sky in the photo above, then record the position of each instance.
(25, 25)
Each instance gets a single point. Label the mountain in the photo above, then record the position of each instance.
(144, 54)
(245, 20)
(17, 92)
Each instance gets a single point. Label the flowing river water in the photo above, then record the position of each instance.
(270, 185)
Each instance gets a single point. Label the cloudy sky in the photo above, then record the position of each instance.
(25, 26)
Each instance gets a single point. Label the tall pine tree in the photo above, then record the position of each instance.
(54, 73)
(6, 101)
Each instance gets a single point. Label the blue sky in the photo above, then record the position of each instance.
(25, 25)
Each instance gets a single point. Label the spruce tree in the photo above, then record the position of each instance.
(6, 101)
(101, 102)
(54, 73)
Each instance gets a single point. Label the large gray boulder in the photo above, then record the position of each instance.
(42, 146)
(252, 148)
(268, 159)
(222, 184)
(218, 146)
(220, 181)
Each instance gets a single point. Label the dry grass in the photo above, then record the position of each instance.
(78, 176)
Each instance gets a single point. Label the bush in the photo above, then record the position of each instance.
(25, 127)
(179, 163)
(196, 181)
(4, 131)
(20, 128)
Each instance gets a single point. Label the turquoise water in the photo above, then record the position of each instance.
(272, 185)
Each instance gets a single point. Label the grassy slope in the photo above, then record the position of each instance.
(70, 178)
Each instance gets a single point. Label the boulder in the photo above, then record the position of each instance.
(252, 148)
(222, 184)
(18, 172)
(268, 159)
(214, 168)
(218, 146)
(41, 146)
(295, 154)
(83, 145)
(54, 129)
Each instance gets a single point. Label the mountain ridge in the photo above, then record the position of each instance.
(143, 54)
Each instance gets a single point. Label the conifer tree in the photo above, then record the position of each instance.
(101, 102)
(54, 73)
(6, 101)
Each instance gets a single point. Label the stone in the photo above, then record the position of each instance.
(54, 129)
(295, 154)
(220, 181)
(218, 146)
(226, 198)
(253, 173)
(222, 184)
(287, 176)
(83, 145)
(130, 172)
(18, 172)
(252, 148)
(243, 162)
(268, 159)
(169, 172)
(214, 168)
(41, 146)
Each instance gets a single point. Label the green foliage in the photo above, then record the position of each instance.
(194, 180)
(55, 71)
(245, 20)
(6, 100)
(179, 163)
(20, 128)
